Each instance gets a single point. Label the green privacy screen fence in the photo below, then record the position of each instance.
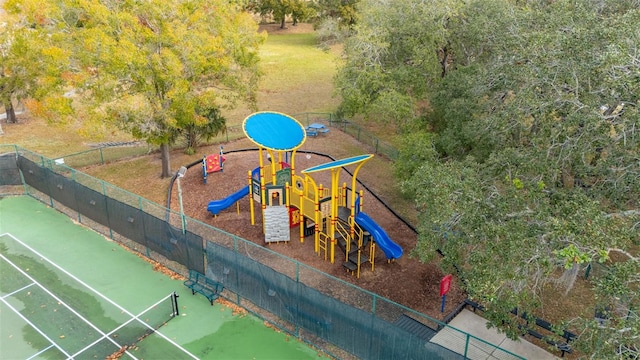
(333, 315)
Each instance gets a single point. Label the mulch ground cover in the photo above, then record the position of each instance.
(406, 280)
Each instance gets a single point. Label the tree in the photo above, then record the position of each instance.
(537, 129)
(334, 20)
(31, 63)
(157, 68)
(212, 122)
(394, 58)
(343, 11)
(533, 124)
(299, 10)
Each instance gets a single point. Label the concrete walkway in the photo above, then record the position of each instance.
(469, 322)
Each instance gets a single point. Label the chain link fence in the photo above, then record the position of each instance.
(337, 317)
(108, 152)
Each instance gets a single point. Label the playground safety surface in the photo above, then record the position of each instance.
(405, 281)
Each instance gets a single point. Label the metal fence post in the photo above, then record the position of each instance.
(179, 176)
(104, 192)
(73, 178)
(466, 347)
(295, 323)
(587, 271)
(24, 182)
(373, 317)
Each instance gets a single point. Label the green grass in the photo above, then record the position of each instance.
(298, 77)
(294, 61)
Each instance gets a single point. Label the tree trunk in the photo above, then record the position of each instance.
(166, 163)
(444, 60)
(10, 111)
(282, 23)
(192, 139)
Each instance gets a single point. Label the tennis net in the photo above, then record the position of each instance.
(130, 333)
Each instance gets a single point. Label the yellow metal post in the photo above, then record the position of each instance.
(263, 199)
(301, 214)
(293, 164)
(372, 255)
(249, 180)
(317, 217)
(335, 183)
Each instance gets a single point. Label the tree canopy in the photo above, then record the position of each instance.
(523, 152)
(157, 69)
(392, 58)
(31, 63)
(343, 11)
(298, 10)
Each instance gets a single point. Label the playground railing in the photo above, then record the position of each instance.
(340, 318)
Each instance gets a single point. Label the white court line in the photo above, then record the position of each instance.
(40, 352)
(137, 317)
(100, 295)
(60, 302)
(17, 291)
(53, 343)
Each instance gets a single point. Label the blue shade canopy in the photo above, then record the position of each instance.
(338, 163)
(274, 131)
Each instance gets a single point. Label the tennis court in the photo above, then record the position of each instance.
(67, 292)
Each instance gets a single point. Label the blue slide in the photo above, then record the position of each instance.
(216, 206)
(390, 249)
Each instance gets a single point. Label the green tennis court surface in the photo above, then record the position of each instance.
(67, 292)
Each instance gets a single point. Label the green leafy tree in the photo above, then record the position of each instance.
(393, 59)
(298, 10)
(334, 20)
(32, 63)
(158, 69)
(532, 171)
(209, 124)
(544, 116)
(343, 11)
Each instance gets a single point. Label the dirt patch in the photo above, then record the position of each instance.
(405, 281)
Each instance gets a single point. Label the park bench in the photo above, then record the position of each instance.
(198, 283)
(562, 346)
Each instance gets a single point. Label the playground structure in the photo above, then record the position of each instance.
(212, 163)
(332, 215)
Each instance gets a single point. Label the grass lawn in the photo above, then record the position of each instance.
(298, 75)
